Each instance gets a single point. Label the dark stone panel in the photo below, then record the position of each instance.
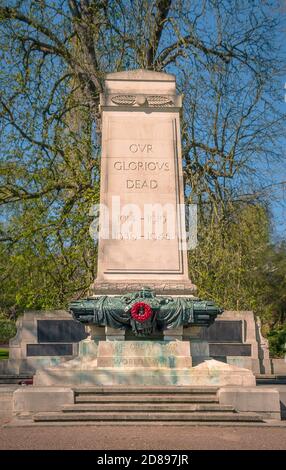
(49, 349)
(60, 331)
(227, 349)
(223, 331)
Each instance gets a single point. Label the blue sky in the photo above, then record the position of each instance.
(277, 174)
(273, 175)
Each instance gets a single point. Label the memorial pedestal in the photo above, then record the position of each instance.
(141, 363)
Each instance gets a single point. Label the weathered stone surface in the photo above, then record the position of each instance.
(143, 348)
(167, 288)
(141, 164)
(245, 362)
(235, 338)
(144, 354)
(4, 366)
(27, 353)
(20, 363)
(264, 401)
(218, 373)
(114, 334)
(143, 363)
(6, 400)
(200, 349)
(279, 366)
(173, 333)
(34, 399)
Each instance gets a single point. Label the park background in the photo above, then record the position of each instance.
(229, 62)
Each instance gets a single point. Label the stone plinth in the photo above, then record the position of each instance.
(44, 338)
(27, 400)
(235, 337)
(262, 400)
(212, 372)
(144, 354)
(142, 363)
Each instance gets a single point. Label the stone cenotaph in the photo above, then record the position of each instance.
(142, 309)
(144, 323)
(141, 169)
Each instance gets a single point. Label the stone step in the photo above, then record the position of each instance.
(181, 398)
(162, 407)
(127, 390)
(145, 416)
(14, 379)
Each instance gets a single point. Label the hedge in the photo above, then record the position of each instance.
(277, 341)
(7, 330)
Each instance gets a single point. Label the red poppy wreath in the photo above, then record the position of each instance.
(141, 312)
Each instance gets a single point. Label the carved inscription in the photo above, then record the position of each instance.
(141, 148)
(142, 362)
(141, 165)
(146, 348)
(141, 184)
(141, 169)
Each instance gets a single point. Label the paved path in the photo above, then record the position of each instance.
(143, 437)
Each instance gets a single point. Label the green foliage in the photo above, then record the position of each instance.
(236, 265)
(48, 267)
(227, 59)
(229, 255)
(47, 256)
(7, 330)
(277, 341)
(4, 354)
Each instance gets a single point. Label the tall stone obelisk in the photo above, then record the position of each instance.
(141, 166)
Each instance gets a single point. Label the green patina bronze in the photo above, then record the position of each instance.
(167, 312)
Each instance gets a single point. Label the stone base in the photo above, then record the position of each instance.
(29, 400)
(261, 400)
(279, 366)
(141, 363)
(179, 377)
(6, 401)
(245, 362)
(45, 338)
(29, 365)
(185, 287)
(4, 369)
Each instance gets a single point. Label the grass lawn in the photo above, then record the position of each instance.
(4, 354)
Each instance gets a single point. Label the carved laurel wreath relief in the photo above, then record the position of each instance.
(151, 100)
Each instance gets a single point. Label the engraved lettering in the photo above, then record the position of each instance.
(141, 184)
(117, 165)
(133, 148)
(143, 148)
(141, 166)
(132, 165)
